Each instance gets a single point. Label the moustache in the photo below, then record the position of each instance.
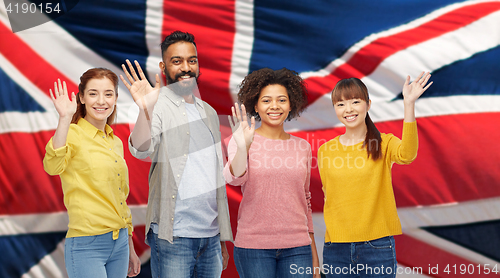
(184, 73)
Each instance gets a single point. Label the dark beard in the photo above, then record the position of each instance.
(178, 89)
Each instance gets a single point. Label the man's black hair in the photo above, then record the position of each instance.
(174, 37)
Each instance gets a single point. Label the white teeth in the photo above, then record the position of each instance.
(100, 109)
(350, 117)
(274, 115)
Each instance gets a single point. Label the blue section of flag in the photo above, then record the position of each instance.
(116, 30)
(316, 33)
(14, 98)
(21, 252)
(476, 75)
(479, 237)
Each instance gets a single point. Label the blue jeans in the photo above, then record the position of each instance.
(374, 258)
(97, 256)
(270, 263)
(185, 257)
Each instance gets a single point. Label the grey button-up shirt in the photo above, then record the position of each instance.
(169, 151)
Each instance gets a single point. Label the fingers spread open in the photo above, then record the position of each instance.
(65, 88)
(60, 87)
(139, 69)
(125, 82)
(427, 77)
(129, 77)
(238, 115)
(244, 113)
(132, 70)
(428, 85)
(56, 90)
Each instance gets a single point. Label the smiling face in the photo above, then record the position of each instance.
(99, 99)
(352, 112)
(180, 65)
(273, 105)
(351, 102)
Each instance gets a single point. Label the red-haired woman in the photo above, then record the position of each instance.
(355, 168)
(88, 157)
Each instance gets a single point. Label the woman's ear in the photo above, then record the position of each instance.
(369, 104)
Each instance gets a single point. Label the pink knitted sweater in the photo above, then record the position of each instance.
(275, 211)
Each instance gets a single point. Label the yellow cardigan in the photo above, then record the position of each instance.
(359, 199)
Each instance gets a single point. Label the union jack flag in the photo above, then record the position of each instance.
(448, 199)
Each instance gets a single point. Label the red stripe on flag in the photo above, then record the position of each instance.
(34, 67)
(456, 161)
(26, 187)
(369, 57)
(212, 24)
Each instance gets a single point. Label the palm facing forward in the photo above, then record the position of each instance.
(144, 95)
(64, 106)
(412, 91)
(242, 132)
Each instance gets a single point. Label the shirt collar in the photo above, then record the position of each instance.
(177, 100)
(92, 130)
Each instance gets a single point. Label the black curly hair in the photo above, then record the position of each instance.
(253, 84)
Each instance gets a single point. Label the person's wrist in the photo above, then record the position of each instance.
(241, 146)
(66, 118)
(409, 102)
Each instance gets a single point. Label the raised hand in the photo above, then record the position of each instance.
(144, 95)
(242, 132)
(412, 91)
(65, 107)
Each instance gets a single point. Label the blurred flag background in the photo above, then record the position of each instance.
(448, 199)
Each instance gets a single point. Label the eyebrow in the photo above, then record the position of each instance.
(278, 96)
(179, 57)
(94, 90)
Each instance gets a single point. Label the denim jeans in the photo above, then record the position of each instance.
(270, 263)
(97, 256)
(185, 257)
(374, 258)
